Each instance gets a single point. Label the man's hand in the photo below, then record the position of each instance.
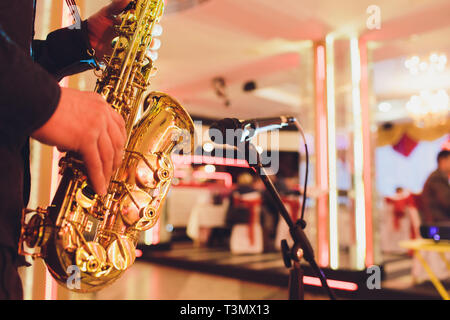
(84, 123)
(101, 30)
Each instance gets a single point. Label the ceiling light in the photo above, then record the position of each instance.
(429, 108)
(433, 64)
(384, 107)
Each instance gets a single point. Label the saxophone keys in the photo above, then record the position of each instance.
(164, 174)
(153, 72)
(85, 197)
(145, 175)
(119, 43)
(149, 217)
(91, 258)
(35, 232)
(121, 253)
(131, 205)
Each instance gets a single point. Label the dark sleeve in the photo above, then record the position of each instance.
(65, 51)
(442, 190)
(28, 94)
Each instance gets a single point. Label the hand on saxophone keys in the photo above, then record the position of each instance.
(101, 30)
(84, 123)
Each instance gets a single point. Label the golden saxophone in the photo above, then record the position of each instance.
(98, 235)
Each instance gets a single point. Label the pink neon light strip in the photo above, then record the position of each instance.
(199, 159)
(225, 176)
(335, 284)
(322, 156)
(367, 158)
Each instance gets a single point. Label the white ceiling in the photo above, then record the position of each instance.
(270, 42)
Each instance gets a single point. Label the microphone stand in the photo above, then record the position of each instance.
(302, 247)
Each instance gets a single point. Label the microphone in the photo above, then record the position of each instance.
(247, 129)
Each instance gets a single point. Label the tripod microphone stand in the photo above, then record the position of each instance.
(302, 247)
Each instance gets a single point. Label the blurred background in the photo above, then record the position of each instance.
(369, 83)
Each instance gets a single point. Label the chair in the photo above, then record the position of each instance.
(247, 237)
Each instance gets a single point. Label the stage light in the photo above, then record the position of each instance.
(210, 168)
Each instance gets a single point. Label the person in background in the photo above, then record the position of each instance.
(404, 206)
(269, 214)
(435, 198)
(237, 213)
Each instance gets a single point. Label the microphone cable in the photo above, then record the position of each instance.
(305, 186)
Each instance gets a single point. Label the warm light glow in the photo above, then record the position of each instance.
(198, 159)
(332, 158)
(148, 237)
(358, 157)
(321, 158)
(210, 168)
(435, 63)
(367, 155)
(385, 107)
(152, 236)
(429, 108)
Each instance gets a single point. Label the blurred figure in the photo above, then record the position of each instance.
(236, 212)
(435, 199)
(269, 213)
(399, 221)
(244, 217)
(435, 207)
(401, 201)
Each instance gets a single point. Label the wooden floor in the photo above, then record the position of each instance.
(147, 281)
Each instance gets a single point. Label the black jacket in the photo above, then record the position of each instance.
(29, 94)
(436, 198)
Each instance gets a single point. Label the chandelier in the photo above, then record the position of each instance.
(429, 108)
(435, 63)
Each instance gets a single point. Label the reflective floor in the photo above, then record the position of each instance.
(147, 281)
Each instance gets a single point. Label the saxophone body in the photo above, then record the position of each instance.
(94, 238)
